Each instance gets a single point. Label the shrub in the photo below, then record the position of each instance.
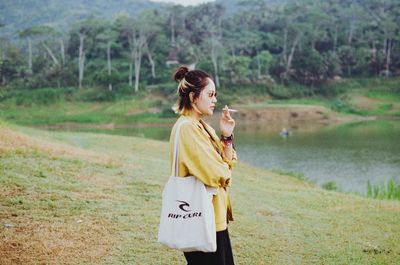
(167, 112)
(341, 106)
(166, 89)
(330, 185)
(94, 94)
(44, 96)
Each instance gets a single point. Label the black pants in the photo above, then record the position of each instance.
(223, 255)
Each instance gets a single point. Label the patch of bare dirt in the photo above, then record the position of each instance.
(107, 126)
(290, 113)
(138, 111)
(365, 103)
(7, 192)
(57, 242)
(94, 107)
(294, 115)
(91, 195)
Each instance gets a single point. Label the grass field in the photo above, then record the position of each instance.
(79, 198)
(120, 112)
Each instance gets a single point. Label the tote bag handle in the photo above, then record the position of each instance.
(175, 164)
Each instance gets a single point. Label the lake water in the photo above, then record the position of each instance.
(349, 154)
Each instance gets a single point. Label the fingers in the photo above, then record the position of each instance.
(226, 112)
(225, 109)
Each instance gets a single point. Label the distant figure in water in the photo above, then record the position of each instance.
(284, 132)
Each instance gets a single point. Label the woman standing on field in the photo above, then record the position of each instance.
(204, 155)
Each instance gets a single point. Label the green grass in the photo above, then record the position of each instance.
(370, 83)
(120, 112)
(389, 190)
(379, 94)
(95, 199)
(382, 109)
(343, 106)
(296, 175)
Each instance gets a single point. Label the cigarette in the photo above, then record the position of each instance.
(232, 110)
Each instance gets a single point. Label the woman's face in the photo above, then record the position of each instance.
(205, 103)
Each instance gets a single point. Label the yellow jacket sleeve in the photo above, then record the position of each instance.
(232, 163)
(217, 141)
(199, 156)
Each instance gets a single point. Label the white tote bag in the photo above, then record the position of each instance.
(187, 215)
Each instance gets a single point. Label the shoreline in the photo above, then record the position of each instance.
(248, 115)
(299, 113)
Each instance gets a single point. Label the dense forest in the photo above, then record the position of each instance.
(19, 15)
(255, 43)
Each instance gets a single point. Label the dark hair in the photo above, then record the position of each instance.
(189, 81)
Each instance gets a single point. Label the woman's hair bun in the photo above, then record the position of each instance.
(180, 73)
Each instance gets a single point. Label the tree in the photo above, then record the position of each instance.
(383, 13)
(152, 22)
(248, 32)
(11, 61)
(39, 33)
(238, 69)
(264, 59)
(28, 34)
(108, 37)
(47, 31)
(352, 16)
(310, 67)
(136, 36)
(346, 54)
(77, 36)
(207, 32)
(294, 28)
(86, 31)
(175, 17)
(317, 24)
(81, 59)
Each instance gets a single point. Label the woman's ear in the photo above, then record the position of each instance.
(191, 97)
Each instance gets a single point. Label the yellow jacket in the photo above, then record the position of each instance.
(201, 155)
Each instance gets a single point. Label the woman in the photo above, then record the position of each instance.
(203, 155)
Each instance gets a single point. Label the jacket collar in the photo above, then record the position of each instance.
(208, 130)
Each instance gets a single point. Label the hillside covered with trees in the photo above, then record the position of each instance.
(17, 16)
(302, 44)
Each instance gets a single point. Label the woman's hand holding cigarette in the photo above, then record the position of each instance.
(226, 123)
